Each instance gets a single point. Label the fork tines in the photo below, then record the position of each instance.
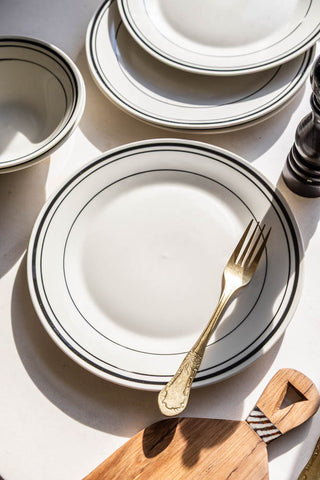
(252, 249)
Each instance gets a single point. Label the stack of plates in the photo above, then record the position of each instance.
(204, 67)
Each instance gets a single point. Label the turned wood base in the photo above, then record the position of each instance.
(302, 177)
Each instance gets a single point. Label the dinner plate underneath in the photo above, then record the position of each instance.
(125, 262)
(165, 96)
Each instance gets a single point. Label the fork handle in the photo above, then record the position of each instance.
(173, 398)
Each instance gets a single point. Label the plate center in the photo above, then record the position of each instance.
(223, 23)
(144, 266)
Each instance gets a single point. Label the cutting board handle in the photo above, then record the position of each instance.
(284, 418)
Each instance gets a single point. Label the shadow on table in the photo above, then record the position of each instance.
(101, 404)
(22, 194)
(306, 211)
(107, 126)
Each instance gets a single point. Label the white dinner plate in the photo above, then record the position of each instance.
(162, 95)
(125, 262)
(223, 37)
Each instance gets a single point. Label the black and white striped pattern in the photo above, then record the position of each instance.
(262, 425)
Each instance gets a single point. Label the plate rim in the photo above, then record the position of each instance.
(152, 50)
(138, 383)
(296, 83)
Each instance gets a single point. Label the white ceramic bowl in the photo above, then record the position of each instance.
(42, 98)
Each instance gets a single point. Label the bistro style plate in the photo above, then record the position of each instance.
(223, 37)
(159, 94)
(125, 262)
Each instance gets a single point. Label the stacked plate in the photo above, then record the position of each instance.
(204, 67)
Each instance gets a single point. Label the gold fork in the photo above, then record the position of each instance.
(238, 272)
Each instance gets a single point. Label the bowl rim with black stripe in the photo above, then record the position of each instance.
(42, 99)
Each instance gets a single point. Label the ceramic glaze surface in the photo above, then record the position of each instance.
(42, 97)
(32, 104)
(223, 37)
(216, 24)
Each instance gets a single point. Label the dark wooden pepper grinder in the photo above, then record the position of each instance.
(301, 172)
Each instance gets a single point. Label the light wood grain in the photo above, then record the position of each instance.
(203, 449)
(188, 448)
(293, 415)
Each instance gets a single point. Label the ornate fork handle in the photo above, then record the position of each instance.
(173, 398)
(238, 272)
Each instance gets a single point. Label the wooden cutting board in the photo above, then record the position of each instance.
(202, 448)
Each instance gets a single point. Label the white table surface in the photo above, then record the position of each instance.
(57, 421)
